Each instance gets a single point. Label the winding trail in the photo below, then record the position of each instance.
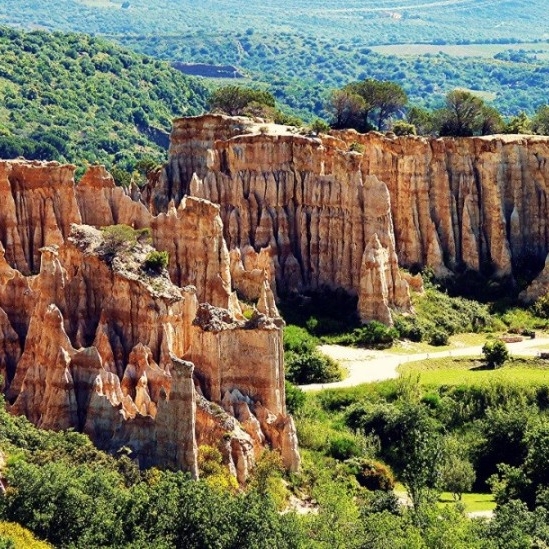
(367, 365)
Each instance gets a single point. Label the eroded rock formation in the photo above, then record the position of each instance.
(94, 340)
(310, 212)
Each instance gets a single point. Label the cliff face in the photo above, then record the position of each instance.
(91, 339)
(297, 210)
(309, 212)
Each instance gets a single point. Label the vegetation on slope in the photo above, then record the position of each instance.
(72, 495)
(331, 45)
(80, 99)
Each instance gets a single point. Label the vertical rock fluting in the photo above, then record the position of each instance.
(302, 205)
(96, 342)
(476, 203)
(297, 211)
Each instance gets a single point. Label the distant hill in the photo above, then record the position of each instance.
(368, 21)
(75, 98)
(302, 50)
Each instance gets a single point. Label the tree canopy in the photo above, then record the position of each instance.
(366, 104)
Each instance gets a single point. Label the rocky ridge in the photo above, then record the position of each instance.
(91, 340)
(345, 210)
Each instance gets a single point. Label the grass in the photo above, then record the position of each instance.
(465, 50)
(473, 502)
(455, 342)
(469, 371)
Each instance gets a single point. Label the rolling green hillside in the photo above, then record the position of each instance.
(75, 98)
(371, 21)
(302, 50)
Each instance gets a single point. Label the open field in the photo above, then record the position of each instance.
(473, 502)
(540, 49)
(463, 371)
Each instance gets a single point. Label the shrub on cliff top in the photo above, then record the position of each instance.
(156, 261)
(121, 238)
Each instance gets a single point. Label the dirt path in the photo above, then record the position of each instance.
(366, 365)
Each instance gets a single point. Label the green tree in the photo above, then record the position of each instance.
(495, 353)
(421, 119)
(462, 114)
(418, 450)
(519, 124)
(457, 476)
(347, 110)
(382, 99)
(491, 121)
(540, 121)
(389, 99)
(234, 100)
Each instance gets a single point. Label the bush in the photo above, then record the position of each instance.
(495, 353)
(14, 536)
(298, 340)
(404, 128)
(356, 147)
(311, 368)
(295, 398)
(439, 338)
(320, 126)
(122, 238)
(343, 447)
(374, 334)
(541, 306)
(372, 474)
(409, 328)
(156, 261)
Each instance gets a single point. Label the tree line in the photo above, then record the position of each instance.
(383, 106)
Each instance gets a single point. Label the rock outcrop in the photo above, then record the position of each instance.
(345, 210)
(298, 211)
(93, 339)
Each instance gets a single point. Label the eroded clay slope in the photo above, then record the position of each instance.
(339, 210)
(92, 339)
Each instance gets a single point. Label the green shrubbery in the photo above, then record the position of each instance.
(303, 363)
(118, 239)
(373, 335)
(495, 353)
(72, 495)
(156, 261)
(372, 474)
(311, 368)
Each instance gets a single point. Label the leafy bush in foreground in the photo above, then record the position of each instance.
(311, 368)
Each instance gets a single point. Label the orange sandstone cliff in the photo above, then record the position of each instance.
(346, 210)
(162, 362)
(91, 339)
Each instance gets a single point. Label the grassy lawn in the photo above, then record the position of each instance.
(473, 502)
(459, 371)
(456, 341)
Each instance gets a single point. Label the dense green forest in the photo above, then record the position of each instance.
(373, 21)
(301, 52)
(80, 99)
(301, 70)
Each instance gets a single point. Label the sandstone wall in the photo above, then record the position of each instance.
(95, 342)
(310, 212)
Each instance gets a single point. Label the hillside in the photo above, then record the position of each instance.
(80, 99)
(301, 69)
(371, 21)
(301, 52)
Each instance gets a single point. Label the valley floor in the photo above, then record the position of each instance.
(368, 365)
